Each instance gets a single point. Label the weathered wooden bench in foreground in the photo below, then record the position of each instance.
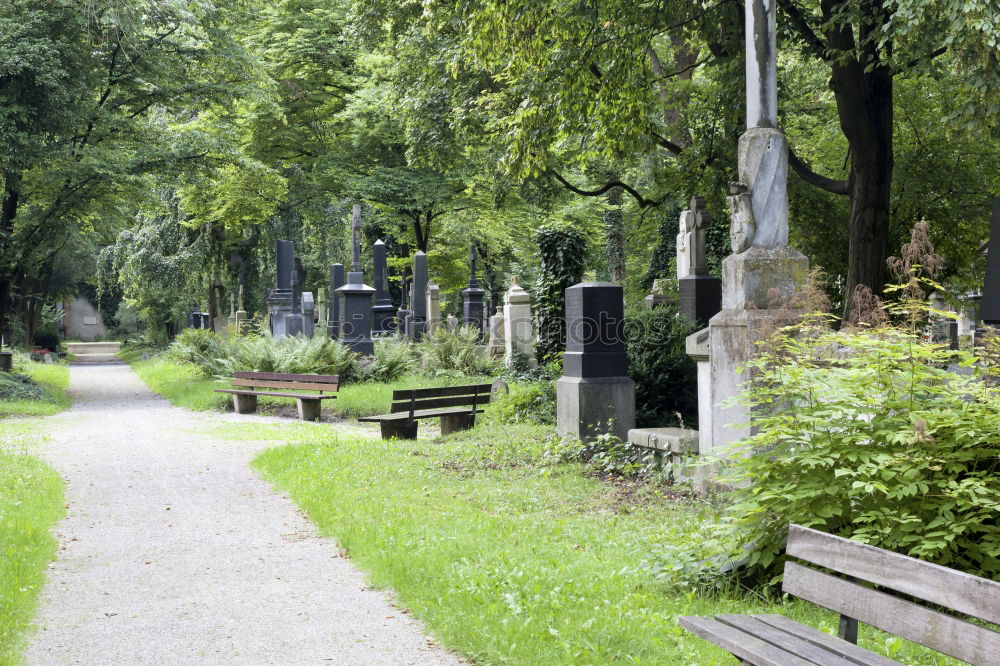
(456, 406)
(774, 640)
(245, 399)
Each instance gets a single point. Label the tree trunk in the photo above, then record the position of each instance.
(862, 85)
(8, 211)
(614, 236)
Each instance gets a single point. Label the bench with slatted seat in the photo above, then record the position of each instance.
(456, 406)
(310, 404)
(875, 587)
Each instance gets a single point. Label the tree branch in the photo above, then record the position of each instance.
(639, 199)
(813, 178)
(801, 25)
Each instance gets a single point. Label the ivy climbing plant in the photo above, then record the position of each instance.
(563, 252)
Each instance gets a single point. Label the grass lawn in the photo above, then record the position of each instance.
(509, 557)
(53, 378)
(31, 501)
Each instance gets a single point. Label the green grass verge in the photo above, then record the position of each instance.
(53, 378)
(31, 501)
(509, 558)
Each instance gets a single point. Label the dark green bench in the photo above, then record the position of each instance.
(456, 406)
(884, 602)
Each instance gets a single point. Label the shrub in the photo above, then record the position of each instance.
(20, 387)
(666, 380)
(869, 435)
(449, 352)
(533, 402)
(198, 346)
(394, 357)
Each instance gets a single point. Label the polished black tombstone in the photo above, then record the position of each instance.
(989, 308)
(383, 312)
(595, 395)
(418, 298)
(472, 298)
(699, 297)
(333, 315)
(295, 322)
(279, 299)
(356, 299)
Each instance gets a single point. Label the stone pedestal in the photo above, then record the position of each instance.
(433, 307)
(595, 395)
(333, 318)
(518, 331)
(452, 323)
(355, 304)
(700, 297)
(241, 322)
(295, 325)
(697, 347)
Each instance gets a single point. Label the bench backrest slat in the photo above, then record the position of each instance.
(300, 386)
(441, 391)
(949, 635)
(438, 403)
(286, 377)
(965, 593)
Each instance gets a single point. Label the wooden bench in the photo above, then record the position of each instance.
(456, 406)
(773, 640)
(245, 399)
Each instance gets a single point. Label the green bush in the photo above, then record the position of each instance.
(666, 380)
(563, 254)
(454, 352)
(533, 403)
(20, 387)
(869, 435)
(394, 357)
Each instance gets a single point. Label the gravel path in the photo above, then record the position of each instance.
(175, 552)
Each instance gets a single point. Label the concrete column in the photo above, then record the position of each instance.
(518, 331)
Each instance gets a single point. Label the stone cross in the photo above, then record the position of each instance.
(692, 240)
(759, 200)
(356, 238)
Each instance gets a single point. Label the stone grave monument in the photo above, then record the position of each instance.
(241, 314)
(518, 330)
(595, 395)
(657, 295)
(495, 346)
(472, 297)
(383, 312)
(762, 275)
(355, 298)
(333, 317)
(418, 298)
(308, 312)
(321, 311)
(295, 322)
(700, 294)
(405, 315)
(279, 299)
(452, 323)
(433, 308)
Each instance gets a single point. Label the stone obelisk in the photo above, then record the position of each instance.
(355, 298)
(383, 311)
(762, 275)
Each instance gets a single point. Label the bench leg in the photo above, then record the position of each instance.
(309, 410)
(457, 422)
(398, 429)
(244, 404)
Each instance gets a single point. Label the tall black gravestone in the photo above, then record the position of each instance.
(279, 299)
(383, 312)
(989, 309)
(333, 316)
(356, 299)
(295, 322)
(595, 394)
(472, 298)
(418, 298)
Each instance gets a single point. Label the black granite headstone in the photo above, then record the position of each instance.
(280, 298)
(383, 312)
(333, 316)
(989, 310)
(699, 297)
(356, 299)
(472, 298)
(595, 331)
